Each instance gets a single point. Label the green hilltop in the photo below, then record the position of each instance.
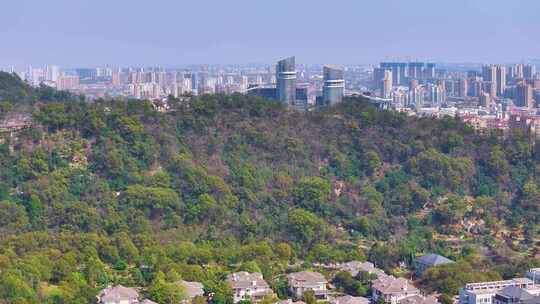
(114, 191)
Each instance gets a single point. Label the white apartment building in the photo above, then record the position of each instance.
(483, 293)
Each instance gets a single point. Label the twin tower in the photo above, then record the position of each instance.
(296, 98)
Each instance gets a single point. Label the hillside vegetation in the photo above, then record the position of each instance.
(116, 192)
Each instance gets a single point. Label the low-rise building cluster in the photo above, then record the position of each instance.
(253, 287)
(385, 288)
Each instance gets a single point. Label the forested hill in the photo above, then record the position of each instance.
(117, 192)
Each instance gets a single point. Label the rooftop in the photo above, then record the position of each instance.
(193, 289)
(390, 284)
(356, 266)
(418, 299)
(433, 259)
(245, 279)
(307, 276)
(349, 300)
(118, 293)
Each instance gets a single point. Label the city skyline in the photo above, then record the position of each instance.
(91, 33)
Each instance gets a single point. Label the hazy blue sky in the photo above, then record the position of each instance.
(175, 32)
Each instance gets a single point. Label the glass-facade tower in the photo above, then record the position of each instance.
(334, 85)
(286, 81)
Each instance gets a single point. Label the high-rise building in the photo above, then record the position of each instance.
(286, 81)
(51, 73)
(334, 85)
(413, 83)
(489, 87)
(500, 80)
(399, 72)
(485, 100)
(67, 82)
(429, 72)
(416, 70)
(463, 88)
(417, 97)
(436, 93)
(489, 75)
(194, 82)
(387, 84)
(489, 72)
(115, 78)
(378, 77)
(451, 87)
(518, 71)
(472, 74)
(86, 73)
(402, 73)
(529, 71)
(474, 87)
(301, 99)
(523, 95)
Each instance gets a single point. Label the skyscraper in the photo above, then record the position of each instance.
(523, 96)
(334, 85)
(429, 72)
(398, 72)
(286, 81)
(52, 73)
(528, 71)
(387, 84)
(378, 77)
(115, 78)
(416, 70)
(463, 88)
(501, 80)
(489, 74)
(436, 93)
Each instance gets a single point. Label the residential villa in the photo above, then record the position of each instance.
(349, 300)
(392, 289)
(354, 267)
(300, 282)
(418, 299)
(427, 261)
(192, 289)
(289, 301)
(118, 295)
(483, 293)
(248, 286)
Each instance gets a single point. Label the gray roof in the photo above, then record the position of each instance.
(193, 289)
(514, 292)
(418, 299)
(356, 266)
(245, 279)
(533, 300)
(307, 277)
(433, 259)
(289, 301)
(393, 285)
(146, 301)
(349, 300)
(118, 293)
